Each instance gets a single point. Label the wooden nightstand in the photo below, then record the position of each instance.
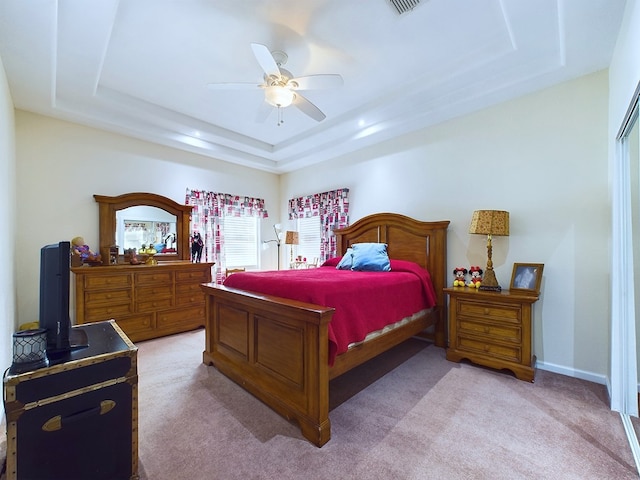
(492, 329)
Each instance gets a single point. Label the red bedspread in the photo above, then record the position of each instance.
(364, 301)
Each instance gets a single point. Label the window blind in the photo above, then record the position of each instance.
(241, 242)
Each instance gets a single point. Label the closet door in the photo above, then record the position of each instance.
(632, 141)
(625, 275)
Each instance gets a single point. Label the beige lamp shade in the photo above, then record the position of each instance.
(490, 222)
(291, 238)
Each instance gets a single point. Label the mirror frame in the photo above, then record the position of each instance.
(110, 205)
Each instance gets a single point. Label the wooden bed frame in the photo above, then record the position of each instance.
(277, 349)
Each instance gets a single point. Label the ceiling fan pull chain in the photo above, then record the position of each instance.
(280, 119)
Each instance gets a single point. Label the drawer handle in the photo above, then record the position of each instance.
(57, 422)
(486, 329)
(486, 311)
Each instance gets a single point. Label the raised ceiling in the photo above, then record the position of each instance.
(141, 67)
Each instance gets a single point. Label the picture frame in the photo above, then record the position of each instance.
(526, 277)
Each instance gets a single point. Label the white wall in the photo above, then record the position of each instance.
(624, 72)
(61, 165)
(9, 323)
(543, 158)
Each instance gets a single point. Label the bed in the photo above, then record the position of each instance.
(278, 348)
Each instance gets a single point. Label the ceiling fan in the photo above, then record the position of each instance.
(281, 88)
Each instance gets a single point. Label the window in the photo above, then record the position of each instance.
(241, 241)
(332, 211)
(309, 237)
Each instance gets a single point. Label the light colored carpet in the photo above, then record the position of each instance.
(426, 418)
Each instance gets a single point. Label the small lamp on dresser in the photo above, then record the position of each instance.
(489, 223)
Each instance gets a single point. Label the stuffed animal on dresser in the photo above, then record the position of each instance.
(459, 274)
(476, 277)
(197, 244)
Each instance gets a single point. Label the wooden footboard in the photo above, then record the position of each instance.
(277, 349)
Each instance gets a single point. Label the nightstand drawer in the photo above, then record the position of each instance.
(498, 312)
(510, 353)
(507, 333)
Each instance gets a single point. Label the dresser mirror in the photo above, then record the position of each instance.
(135, 219)
(144, 226)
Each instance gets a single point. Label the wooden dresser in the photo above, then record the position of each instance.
(146, 301)
(492, 329)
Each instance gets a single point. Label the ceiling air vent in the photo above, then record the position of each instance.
(403, 6)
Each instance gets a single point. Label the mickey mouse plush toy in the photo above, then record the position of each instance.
(476, 277)
(459, 274)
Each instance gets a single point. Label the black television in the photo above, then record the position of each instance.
(55, 274)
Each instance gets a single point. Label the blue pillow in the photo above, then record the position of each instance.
(347, 260)
(371, 257)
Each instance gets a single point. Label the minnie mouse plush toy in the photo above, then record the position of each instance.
(459, 274)
(476, 277)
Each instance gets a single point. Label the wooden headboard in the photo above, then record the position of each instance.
(424, 243)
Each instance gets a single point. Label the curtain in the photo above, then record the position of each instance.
(207, 234)
(332, 208)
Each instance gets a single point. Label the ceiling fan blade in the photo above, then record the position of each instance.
(263, 112)
(232, 86)
(316, 82)
(308, 108)
(265, 59)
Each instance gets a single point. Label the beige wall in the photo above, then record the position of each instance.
(8, 314)
(543, 158)
(61, 165)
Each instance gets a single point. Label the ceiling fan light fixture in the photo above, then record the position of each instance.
(278, 96)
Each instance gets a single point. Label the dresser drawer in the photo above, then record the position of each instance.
(106, 312)
(511, 353)
(92, 298)
(195, 276)
(135, 324)
(154, 278)
(94, 282)
(153, 292)
(194, 299)
(193, 316)
(497, 312)
(154, 304)
(188, 294)
(189, 289)
(506, 332)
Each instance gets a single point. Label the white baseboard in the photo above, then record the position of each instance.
(572, 372)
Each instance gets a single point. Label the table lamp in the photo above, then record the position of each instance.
(291, 238)
(489, 223)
